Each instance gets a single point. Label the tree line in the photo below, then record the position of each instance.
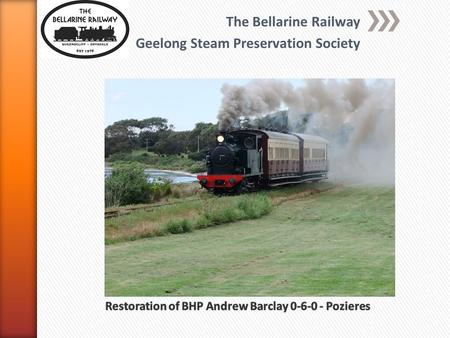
(155, 134)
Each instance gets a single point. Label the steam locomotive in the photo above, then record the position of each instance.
(248, 159)
(91, 34)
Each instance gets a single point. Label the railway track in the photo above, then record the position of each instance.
(115, 212)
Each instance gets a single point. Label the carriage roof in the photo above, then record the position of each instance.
(311, 138)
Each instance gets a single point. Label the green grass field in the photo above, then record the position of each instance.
(336, 243)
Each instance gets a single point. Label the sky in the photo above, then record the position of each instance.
(182, 102)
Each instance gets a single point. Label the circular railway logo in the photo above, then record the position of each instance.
(85, 29)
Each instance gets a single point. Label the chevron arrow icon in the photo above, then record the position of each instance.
(375, 21)
(386, 20)
(396, 21)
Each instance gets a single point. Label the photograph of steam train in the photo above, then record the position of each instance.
(85, 34)
(249, 159)
(258, 187)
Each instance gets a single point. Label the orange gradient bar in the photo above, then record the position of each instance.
(17, 168)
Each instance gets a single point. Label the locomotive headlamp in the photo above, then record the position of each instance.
(220, 138)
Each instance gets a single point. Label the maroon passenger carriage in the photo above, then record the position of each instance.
(250, 158)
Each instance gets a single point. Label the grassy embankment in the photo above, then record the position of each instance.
(166, 162)
(336, 243)
(189, 208)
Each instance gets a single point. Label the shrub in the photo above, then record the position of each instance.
(179, 226)
(166, 187)
(160, 189)
(256, 206)
(155, 191)
(127, 185)
(197, 167)
(203, 222)
(245, 207)
(224, 215)
(120, 157)
(197, 156)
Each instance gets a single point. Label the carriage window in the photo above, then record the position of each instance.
(318, 153)
(306, 153)
(280, 154)
(294, 154)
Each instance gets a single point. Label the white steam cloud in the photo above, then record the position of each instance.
(357, 116)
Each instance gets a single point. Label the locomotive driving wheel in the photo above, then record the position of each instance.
(242, 187)
(219, 192)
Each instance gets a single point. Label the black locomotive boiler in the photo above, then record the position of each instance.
(251, 158)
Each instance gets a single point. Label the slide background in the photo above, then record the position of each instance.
(70, 255)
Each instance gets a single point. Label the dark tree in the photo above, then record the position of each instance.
(203, 136)
(172, 142)
(121, 136)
